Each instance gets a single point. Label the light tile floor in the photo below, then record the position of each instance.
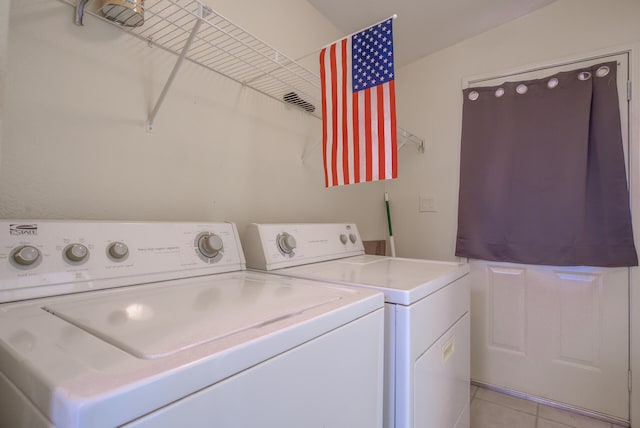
(490, 409)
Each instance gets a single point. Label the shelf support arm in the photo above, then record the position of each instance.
(172, 76)
(409, 137)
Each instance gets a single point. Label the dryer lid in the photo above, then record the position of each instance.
(402, 280)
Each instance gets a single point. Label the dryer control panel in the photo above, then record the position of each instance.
(275, 246)
(46, 258)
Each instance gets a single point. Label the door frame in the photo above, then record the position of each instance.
(633, 51)
(634, 298)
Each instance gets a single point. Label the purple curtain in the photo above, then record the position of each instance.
(542, 172)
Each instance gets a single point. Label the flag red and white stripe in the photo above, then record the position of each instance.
(359, 138)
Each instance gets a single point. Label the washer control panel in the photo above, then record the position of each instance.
(45, 258)
(275, 246)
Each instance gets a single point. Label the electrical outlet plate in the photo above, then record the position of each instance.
(427, 204)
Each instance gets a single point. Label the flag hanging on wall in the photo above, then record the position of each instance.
(359, 139)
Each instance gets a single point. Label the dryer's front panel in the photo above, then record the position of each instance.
(433, 358)
(441, 381)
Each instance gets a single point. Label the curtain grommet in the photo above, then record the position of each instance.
(522, 89)
(552, 83)
(602, 71)
(474, 95)
(585, 75)
(499, 92)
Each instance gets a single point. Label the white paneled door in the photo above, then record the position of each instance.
(559, 333)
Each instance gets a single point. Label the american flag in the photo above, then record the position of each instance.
(359, 139)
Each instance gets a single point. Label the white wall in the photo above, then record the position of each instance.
(4, 34)
(74, 143)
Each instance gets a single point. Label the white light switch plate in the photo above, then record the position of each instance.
(427, 204)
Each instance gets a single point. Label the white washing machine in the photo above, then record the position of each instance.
(159, 325)
(426, 314)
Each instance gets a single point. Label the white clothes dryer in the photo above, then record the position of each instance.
(109, 324)
(427, 332)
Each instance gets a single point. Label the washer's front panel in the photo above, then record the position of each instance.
(305, 387)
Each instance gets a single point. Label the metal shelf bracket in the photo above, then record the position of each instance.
(408, 137)
(174, 72)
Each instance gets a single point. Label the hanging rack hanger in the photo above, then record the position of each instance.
(404, 137)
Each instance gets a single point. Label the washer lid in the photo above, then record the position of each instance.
(403, 281)
(158, 322)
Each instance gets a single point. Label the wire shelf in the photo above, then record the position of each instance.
(195, 32)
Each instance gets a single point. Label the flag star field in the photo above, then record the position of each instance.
(372, 53)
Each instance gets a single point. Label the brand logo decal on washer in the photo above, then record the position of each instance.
(23, 229)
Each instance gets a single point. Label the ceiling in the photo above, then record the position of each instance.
(425, 26)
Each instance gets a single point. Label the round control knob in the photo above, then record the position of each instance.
(343, 238)
(76, 252)
(353, 238)
(26, 255)
(118, 250)
(286, 243)
(210, 245)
